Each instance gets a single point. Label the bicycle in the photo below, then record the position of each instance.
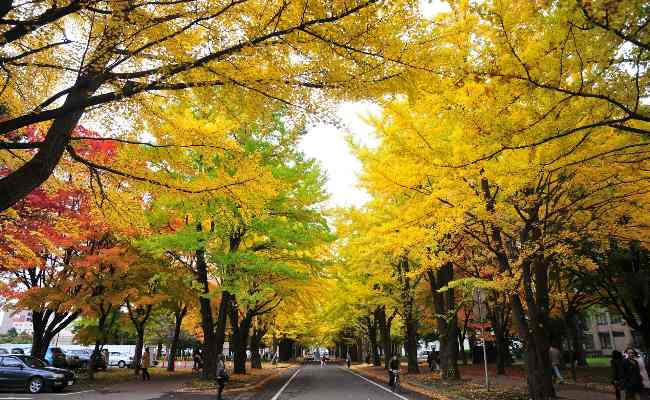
(396, 382)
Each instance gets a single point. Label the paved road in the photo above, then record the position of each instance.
(309, 382)
(335, 383)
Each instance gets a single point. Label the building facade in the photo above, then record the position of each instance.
(606, 331)
(21, 321)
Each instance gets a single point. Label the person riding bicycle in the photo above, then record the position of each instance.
(393, 369)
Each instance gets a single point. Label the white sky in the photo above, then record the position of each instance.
(327, 143)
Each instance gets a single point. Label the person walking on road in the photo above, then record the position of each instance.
(618, 374)
(633, 382)
(222, 375)
(348, 359)
(146, 363)
(393, 367)
(556, 361)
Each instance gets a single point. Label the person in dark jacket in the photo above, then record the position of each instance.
(393, 365)
(618, 374)
(632, 380)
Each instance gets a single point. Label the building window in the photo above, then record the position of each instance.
(616, 318)
(601, 319)
(605, 341)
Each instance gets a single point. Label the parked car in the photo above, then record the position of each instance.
(18, 350)
(4, 352)
(31, 374)
(81, 359)
(121, 360)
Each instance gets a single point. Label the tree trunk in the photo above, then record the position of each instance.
(372, 336)
(256, 340)
(222, 321)
(575, 336)
(207, 322)
(173, 348)
(446, 320)
(532, 328)
(412, 346)
(410, 320)
(461, 346)
(240, 333)
(498, 316)
(503, 351)
(384, 331)
(38, 169)
(532, 322)
(46, 325)
(139, 345)
(39, 345)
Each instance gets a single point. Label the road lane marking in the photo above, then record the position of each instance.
(399, 396)
(277, 395)
(71, 393)
(16, 398)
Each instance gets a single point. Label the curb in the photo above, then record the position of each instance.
(244, 388)
(413, 387)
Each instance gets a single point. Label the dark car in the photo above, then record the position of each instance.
(32, 374)
(18, 350)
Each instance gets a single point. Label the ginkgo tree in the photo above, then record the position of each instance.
(261, 228)
(65, 62)
(522, 207)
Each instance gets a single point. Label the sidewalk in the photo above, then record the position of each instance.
(472, 386)
(583, 390)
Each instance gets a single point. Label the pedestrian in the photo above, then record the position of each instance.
(222, 375)
(632, 376)
(106, 354)
(556, 359)
(431, 360)
(146, 362)
(322, 360)
(198, 361)
(393, 367)
(645, 380)
(436, 359)
(348, 359)
(618, 374)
